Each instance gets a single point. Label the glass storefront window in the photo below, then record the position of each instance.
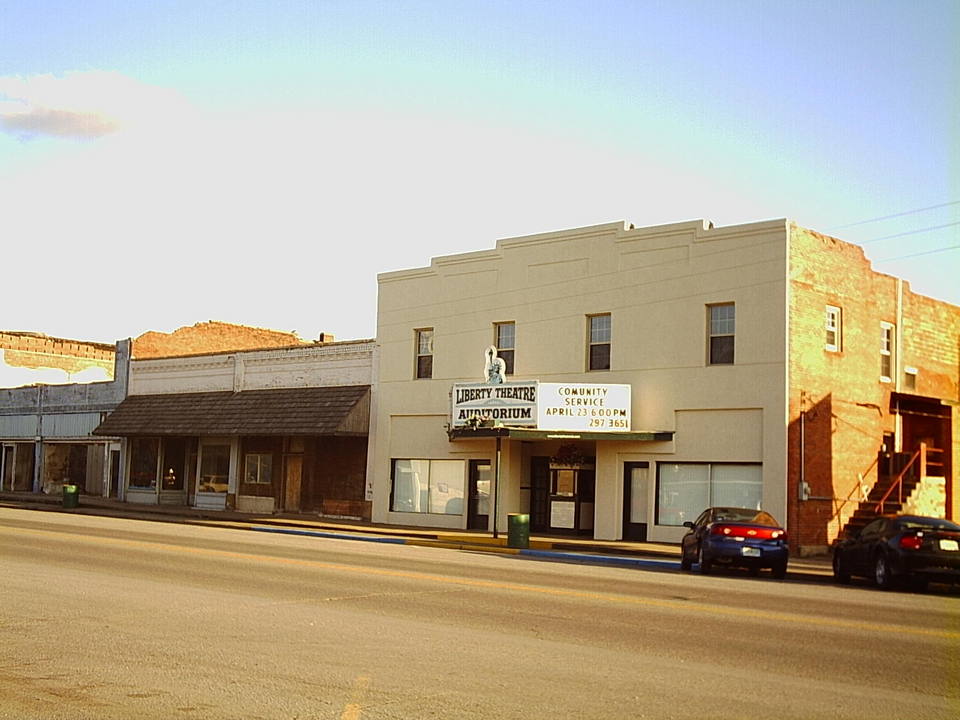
(737, 486)
(684, 490)
(428, 486)
(144, 456)
(214, 468)
(446, 487)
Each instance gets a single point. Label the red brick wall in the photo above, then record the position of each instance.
(210, 337)
(846, 408)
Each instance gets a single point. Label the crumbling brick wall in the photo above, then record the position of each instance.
(36, 351)
(209, 337)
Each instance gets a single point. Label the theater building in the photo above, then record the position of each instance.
(639, 375)
(279, 429)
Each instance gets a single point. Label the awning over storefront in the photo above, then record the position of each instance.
(532, 434)
(341, 411)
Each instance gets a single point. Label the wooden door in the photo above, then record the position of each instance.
(293, 471)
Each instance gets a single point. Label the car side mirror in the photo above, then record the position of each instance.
(689, 524)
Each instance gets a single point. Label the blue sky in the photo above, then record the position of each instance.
(164, 163)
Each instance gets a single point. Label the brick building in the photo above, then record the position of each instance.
(214, 336)
(872, 376)
(755, 364)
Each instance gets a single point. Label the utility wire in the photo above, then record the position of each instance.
(912, 255)
(910, 232)
(895, 215)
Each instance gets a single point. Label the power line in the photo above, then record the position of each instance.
(911, 232)
(912, 255)
(895, 215)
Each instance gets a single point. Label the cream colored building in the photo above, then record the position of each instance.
(691, 317)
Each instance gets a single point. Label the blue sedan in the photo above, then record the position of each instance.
(735, 537)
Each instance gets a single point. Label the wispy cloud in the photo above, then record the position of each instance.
(57, 123)
(77, 105)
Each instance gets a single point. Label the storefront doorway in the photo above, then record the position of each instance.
(478, 507)
(635, 504)
(561, 497)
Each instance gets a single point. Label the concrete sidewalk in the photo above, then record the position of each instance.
(566, 549)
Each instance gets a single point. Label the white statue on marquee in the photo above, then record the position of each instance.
(495, 368)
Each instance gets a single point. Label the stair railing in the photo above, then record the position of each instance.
(861, 489)
(897, 483)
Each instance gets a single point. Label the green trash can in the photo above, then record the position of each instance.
(71, 496)
(518, 530)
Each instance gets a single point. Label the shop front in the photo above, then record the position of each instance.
(533, 447)
(262, 451)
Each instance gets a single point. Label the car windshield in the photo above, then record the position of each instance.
(922, 523)
(747, 515)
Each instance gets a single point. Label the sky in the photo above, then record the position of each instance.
(170, 162)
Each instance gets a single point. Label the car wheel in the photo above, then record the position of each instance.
(706, 565)
(840, 572)
(779, 570)
(685, 563)
(881, 572)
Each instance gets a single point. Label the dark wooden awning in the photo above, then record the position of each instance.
(341, 411)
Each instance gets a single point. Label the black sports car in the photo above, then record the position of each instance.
(901, 549)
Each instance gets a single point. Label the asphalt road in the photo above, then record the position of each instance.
(115, 618)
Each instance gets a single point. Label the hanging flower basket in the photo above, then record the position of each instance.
(569, 456)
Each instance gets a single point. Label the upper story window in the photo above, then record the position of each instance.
(832, 329)
(599, 331)
(505, 337)
(887, 350)
(425, 353)
(722, 324)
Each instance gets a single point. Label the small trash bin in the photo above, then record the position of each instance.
(71, 496)
(518, 530)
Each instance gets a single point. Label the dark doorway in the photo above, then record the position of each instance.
(77, 466)
(481, 483)
(114, 473)
(636, 479)
(539, 494)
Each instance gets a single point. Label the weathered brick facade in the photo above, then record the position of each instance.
(35, 351)
(839, 407)
(213, 337)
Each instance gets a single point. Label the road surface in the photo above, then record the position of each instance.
(116, 618)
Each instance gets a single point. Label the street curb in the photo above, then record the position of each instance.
(329, 535)
(525, 552)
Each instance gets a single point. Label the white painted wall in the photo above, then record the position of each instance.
(334, 364)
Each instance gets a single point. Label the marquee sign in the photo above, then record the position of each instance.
(576, 407)
(583, 407)
(508, 403)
